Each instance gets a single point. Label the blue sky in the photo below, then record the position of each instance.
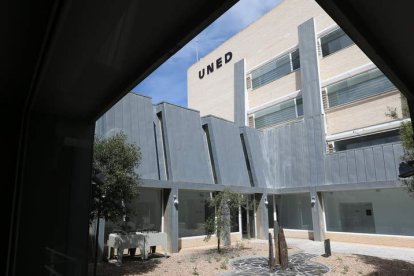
(169, 82)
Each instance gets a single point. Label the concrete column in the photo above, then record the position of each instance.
(240, 93)
(171, 219)
(312, 102)
(262, 219)
(318, 217)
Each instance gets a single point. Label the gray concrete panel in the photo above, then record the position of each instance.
(287, 155)
(187, 158)
(255, 151)
(369, 164)
(240, 93)
(360, 164)
(318, 220)
(171, 218)
(389, 162)
(379, 163)
(312, 102)
(328, 170)
(133, 115)
(336, 176)
(227, 151)
(309, 67)
(262, 218)
(343, 168)
(351, 163)
(398, 153)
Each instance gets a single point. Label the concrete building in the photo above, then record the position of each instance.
(292, 114)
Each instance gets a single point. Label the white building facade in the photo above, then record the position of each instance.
(288, 112)
(328, 121)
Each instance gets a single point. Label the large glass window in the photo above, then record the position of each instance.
(367, 84)
(385, 211)
(278, 113)
(294, 211)
(193, 212)
(369, 140)
(147, 213)
(334, 41)
(275, 69)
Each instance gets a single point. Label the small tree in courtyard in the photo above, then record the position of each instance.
(406, 136)
(116, 160)
(224, 203)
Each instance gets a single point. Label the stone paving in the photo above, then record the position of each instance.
(299, 264)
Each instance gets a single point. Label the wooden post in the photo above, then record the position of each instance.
(276, 242)
(271, 257)
(327, 248)
(284, 261)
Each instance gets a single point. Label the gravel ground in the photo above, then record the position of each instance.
(203, 261)
(206, 261)
(354, 264)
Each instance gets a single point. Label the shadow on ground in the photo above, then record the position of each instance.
(386, 267)
(130, 266)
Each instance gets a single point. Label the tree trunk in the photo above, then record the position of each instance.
(271, 257)
(226, 223)
(284, 261)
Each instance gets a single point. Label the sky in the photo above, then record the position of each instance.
(169, 82)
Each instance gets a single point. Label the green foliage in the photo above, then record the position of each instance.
(407, 140)
(220, 225)
(116, 159)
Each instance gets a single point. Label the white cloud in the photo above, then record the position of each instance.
(169, 81)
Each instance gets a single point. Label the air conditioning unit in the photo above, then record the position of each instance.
(330, 147)
(251, 121)
(249, 82)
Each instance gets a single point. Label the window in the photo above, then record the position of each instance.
(294, 211)
(274, 69)
(364, 85)
(334, 42)
(193, 213)
(147, 211)
(385, 211)
(278, 113)
(369, 140)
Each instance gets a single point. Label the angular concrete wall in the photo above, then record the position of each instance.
(287, 156)
(133, 114)
(259, 166)
(185, 145)
(370, 164)
(227, 151)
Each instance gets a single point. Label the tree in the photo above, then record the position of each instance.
(407, 138)
(224, 203)
(116, 159)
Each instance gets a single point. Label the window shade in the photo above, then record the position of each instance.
(278, 113)
(275, 69)
(334, 41)
(358, 87)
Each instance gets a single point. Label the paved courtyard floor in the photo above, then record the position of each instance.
(387, 252)
(299, 264)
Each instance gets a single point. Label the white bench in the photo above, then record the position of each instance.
(141, 240)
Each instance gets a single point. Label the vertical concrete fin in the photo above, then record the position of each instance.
(240, 94)
(312, 101)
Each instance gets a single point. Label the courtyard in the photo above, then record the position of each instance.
(249, 257)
